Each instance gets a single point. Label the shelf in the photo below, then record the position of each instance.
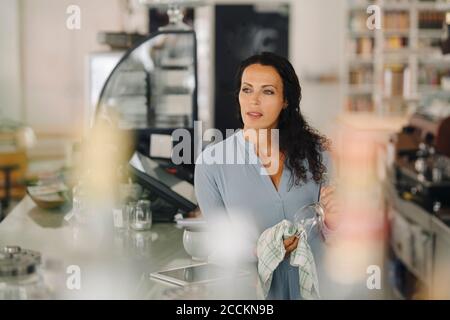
(399, 51)
(430, 33)
(360, 60)
(364, 89)
(176, 91)
(403, 6)
(361, 7)
(445, 61)
(406, 23)
(358, 4)
(421, 6)
(433, 6)
(395, 59)
(396, 32)
(361, 34)
(430, 89)
(429, 52)
(400, 98)
(166, 67)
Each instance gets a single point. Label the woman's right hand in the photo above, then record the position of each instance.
(290, 244)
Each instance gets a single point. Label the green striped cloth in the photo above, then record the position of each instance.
(270, 251)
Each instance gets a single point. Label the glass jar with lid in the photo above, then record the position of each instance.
(20, 276)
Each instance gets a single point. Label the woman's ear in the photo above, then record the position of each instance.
(285, 105)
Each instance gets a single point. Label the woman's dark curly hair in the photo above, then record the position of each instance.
(298, 141)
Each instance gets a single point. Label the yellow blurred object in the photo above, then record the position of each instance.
(19, 159)
(394, 43)
(407, 196)
(15, 139)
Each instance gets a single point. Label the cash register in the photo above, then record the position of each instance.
(174, 194)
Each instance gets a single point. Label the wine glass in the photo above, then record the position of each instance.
(309, 217)
(312, 215)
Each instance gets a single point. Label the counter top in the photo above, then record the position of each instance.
(113, 263)
(412, 210)
(409, 209)
(423, 245)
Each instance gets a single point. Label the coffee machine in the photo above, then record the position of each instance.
(422, 160)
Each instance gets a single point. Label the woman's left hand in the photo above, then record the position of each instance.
(329, 203)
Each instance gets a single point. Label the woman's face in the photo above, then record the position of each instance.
(261, 97)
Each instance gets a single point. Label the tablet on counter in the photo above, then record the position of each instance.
(196, 274)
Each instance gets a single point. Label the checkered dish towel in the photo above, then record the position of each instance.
(270, 251)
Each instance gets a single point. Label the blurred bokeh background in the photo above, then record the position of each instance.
(375, 79)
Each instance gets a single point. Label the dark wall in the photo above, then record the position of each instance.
(241, 31)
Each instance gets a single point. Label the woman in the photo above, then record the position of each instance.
(268, 96)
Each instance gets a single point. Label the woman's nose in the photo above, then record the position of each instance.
(255, 99)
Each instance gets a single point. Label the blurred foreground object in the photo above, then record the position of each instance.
(357, 255)
(15, 139)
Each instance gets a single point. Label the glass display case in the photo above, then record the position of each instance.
(154, 86)
(152, 91)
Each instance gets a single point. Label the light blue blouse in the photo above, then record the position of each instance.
(240, 190)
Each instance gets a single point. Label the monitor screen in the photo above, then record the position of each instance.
(168, 186)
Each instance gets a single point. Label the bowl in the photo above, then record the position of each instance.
(48, 197)
(196, 242)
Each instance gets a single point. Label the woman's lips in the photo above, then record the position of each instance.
(254, 115)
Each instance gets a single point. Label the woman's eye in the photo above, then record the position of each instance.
(246, 90)
(270, 92)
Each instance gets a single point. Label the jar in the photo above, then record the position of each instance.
(20, 276)
(141, 216)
